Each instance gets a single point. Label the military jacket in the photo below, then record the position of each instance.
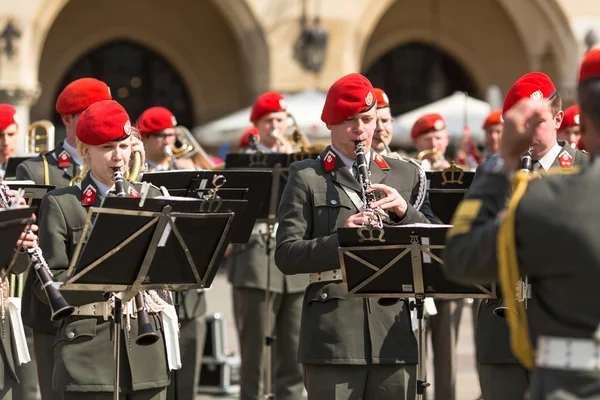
(83, 347)
(492, 340)
(336, 329)
(43, 170)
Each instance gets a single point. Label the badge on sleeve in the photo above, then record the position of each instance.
(381, 162)
(565, 159)
(64, 159)
(89, 195)
(133, 193)
(329, 161)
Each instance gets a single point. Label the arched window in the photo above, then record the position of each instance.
(416, 74)
(138, 78)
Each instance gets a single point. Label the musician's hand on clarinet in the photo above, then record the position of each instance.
(520, 123)
(12, 194)
(28, 239)
(360, 219)
(392, 200)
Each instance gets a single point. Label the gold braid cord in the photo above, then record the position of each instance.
(508, 271)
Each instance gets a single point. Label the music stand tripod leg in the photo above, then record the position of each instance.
(421, 383)
(269, 337)
(117, 325)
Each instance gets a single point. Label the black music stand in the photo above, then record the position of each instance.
(279, 164)
(139, 244)
(11, 167)
(447, 189)
(251, 186)
(401, 262)
(32, 193)
(13, 221)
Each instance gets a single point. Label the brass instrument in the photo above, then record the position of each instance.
(169, 153)
(523, 290)
(133, 172)
(59, 308)
(187, 146)
(146, 335)
(35, 142)
(300, 142)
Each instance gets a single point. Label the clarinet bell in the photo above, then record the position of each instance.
(502, 311)
(146, 335)
(59, 307)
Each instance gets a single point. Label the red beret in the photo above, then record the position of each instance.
(349, 95)
(7, 116)
(80, 94)
(155, 119)
(534, 85)
(267, 103)
(428, 123)
(103, 122)
(494, 118)
(245, 139)
(382, 99)
(590, 66)
(570, 118)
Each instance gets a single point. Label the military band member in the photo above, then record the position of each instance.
(490, 240)
(385, 128)
(245, 141)
(16, 352)
(83, 347)
(569, 128)
(349, 347)
(158, 128)
(247, 271)
(430, 138)
(8, 135)
(55, 168)
(493, 131)
(496, 363)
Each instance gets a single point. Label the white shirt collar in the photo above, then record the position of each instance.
(102, 188)
(350, 162)
(72, 152)
(548, 159)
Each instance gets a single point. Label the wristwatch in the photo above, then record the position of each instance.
(495, 165)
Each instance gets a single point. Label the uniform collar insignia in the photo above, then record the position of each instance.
(565, 159)
(64, 159)
(329, 161)
(380, 161)
(133, 193)
(89, 195)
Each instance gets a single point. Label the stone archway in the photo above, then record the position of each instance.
(197, 38)
(495, 41)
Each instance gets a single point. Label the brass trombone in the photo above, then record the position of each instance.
(36, 142)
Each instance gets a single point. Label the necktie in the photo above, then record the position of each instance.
(535, 165)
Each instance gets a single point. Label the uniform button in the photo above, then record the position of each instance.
(334, 202)
(70, 335)
(323, 296)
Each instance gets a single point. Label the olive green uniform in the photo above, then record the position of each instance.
(556, 231)
(351, 348)
(83, 347)
(43, 170)
(501, 376)
(247, 272)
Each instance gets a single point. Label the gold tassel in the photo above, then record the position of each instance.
(508, 271)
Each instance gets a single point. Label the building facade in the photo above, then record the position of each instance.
(207, 58)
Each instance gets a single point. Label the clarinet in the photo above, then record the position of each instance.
(59, 307)
(526, 161)
(364, 179)
(146, 335)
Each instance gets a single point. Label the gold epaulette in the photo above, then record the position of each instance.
(508, 272)
(561, 171)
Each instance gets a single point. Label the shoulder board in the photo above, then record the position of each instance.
(561, 171)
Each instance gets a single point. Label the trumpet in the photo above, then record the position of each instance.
(167, 150)
(59, 308)
(35, 142)
(146, 335)
(523, 289)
